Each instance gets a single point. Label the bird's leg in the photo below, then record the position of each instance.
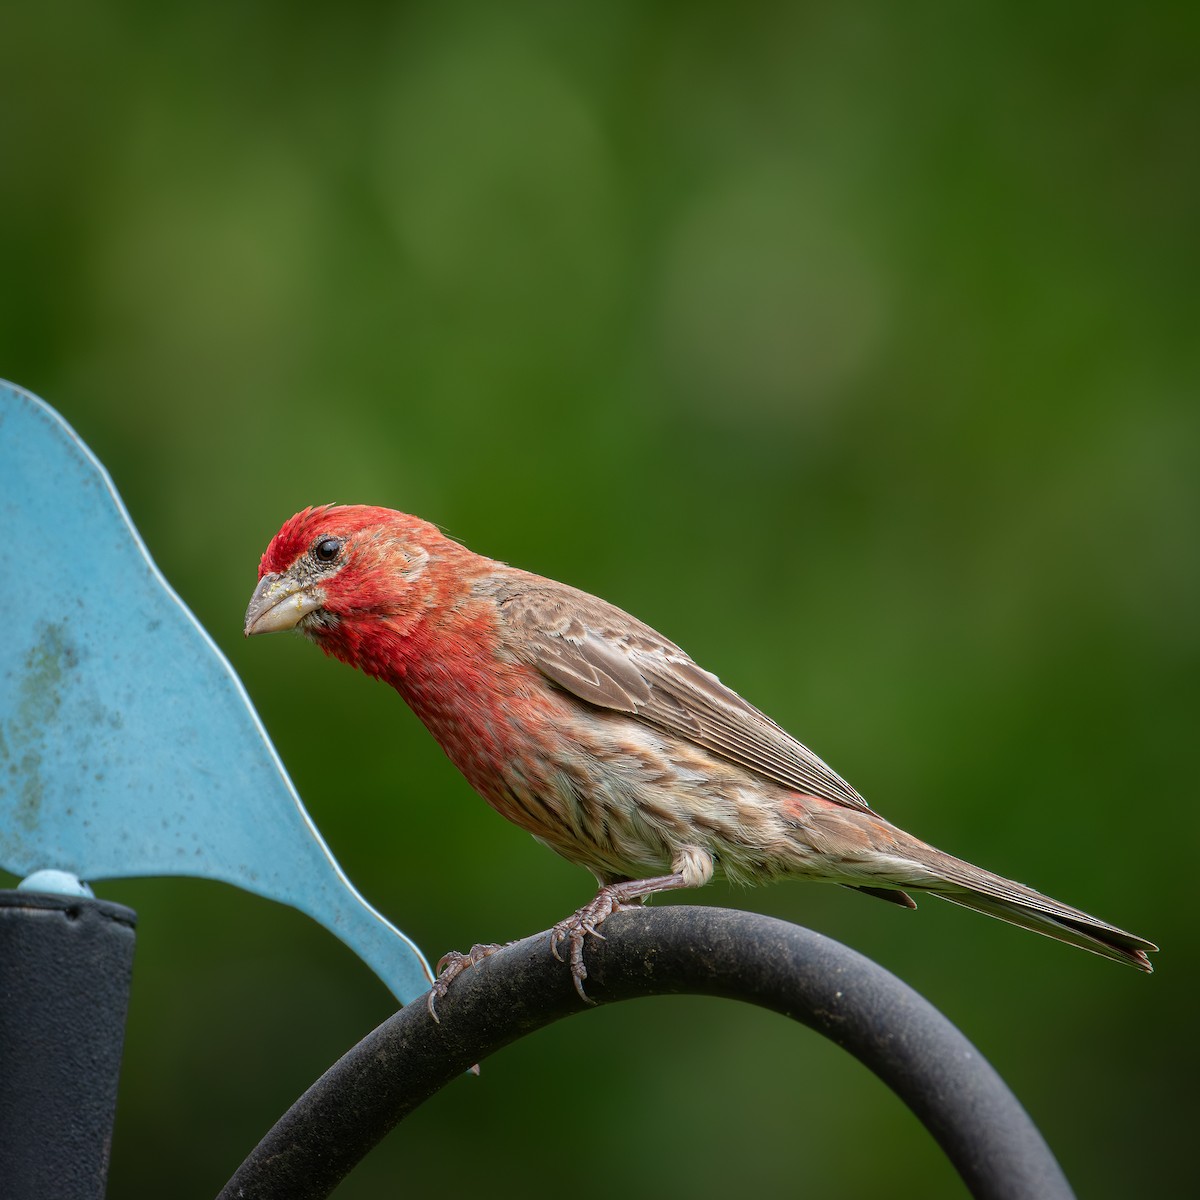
(693, 867)
(452, 965)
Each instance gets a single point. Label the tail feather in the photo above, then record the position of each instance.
(891, 895)
(1078, 930)
(969, 886)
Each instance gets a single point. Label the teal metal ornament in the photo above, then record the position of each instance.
(128, 746)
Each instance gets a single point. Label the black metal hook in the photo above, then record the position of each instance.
(863, 1008)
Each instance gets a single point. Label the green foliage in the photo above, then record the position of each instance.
(853, 346)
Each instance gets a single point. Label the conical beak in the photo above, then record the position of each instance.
(280, 602)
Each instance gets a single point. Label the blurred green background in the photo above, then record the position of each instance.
(852, 345)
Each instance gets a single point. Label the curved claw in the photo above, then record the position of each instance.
(579, 926)
(451, 965)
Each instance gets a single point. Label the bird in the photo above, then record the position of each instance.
(601, 738)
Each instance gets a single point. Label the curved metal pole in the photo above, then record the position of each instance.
(942, 1078)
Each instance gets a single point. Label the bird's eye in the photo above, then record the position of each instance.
(327, 549)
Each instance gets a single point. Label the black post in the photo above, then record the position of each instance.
(65, 967)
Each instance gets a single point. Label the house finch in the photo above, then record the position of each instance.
(601, 738)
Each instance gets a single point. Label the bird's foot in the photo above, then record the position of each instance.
(576, 928)
(451, 966)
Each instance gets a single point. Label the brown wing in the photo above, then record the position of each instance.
(606, 657)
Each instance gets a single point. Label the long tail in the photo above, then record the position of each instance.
(972, 887)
